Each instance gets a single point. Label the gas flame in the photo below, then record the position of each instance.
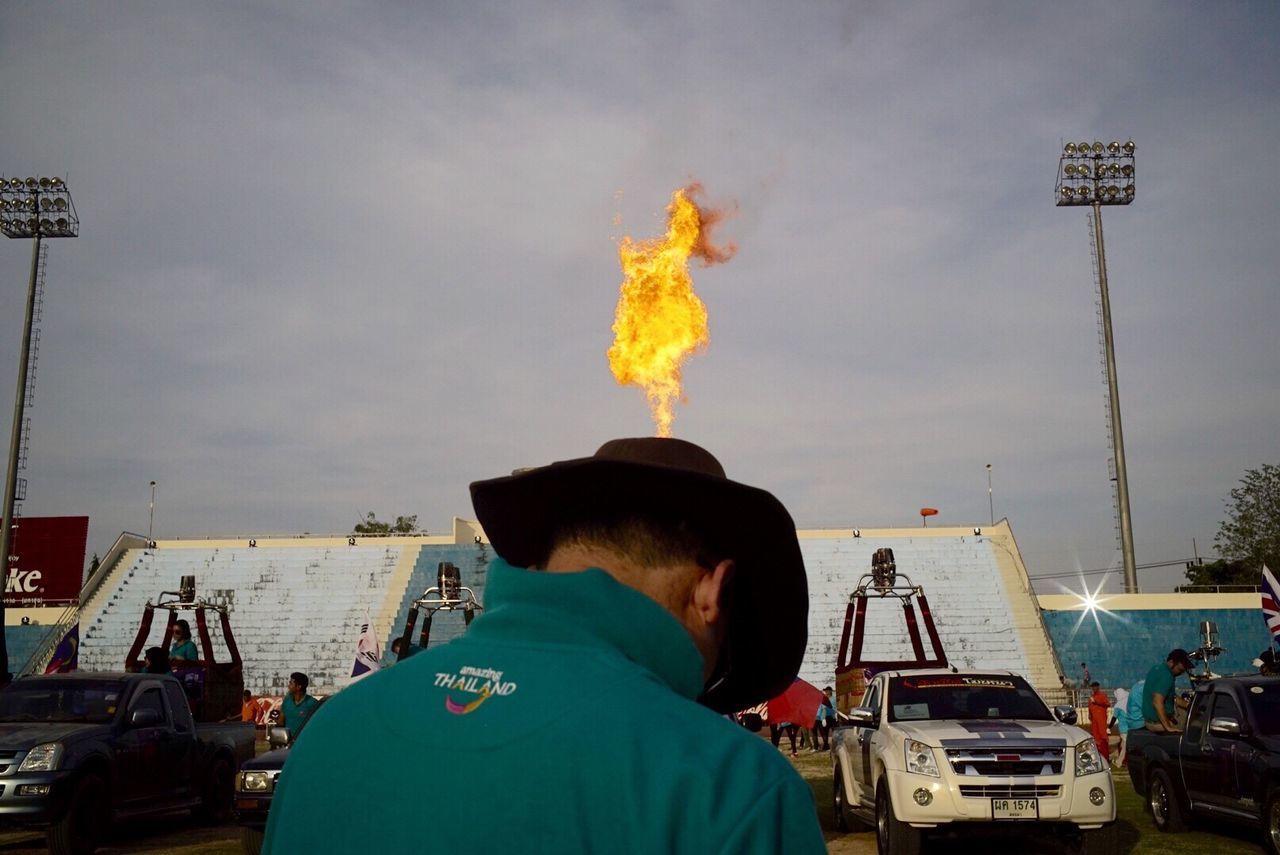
(659, 321)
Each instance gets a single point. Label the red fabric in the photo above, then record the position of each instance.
(798, 704)
(1098, 705)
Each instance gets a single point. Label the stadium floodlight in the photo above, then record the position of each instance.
(1086, 169)
(21, 205)
(32, 196)
(1086, 176)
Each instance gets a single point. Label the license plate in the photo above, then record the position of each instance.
(1015, 809)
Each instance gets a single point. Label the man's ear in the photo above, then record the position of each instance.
(709, 594)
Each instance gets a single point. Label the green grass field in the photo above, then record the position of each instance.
(1137, 834)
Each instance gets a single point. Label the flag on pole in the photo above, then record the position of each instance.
(368, 651)
(66, 656)
(1271, 602)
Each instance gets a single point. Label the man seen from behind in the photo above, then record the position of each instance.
(641, 575)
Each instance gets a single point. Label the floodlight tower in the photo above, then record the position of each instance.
(35, 208)
(1097, 175)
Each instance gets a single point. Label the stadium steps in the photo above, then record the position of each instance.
(976, 588)
(292, 607)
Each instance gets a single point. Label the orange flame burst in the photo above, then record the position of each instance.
(659, 321)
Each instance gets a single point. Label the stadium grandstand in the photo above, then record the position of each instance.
(298, 604)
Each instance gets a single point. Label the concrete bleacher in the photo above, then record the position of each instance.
(976, 585)
(22, 642)
(471, 559)
(294, 605)
(1125, 634)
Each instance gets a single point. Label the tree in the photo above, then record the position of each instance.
(93, 565)
(372, 525)
(1222, 572)
(1251, 531)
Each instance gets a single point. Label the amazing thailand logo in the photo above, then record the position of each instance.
(482, 683)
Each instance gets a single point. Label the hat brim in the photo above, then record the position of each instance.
(769, 594)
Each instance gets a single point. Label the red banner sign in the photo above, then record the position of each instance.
(47, 561)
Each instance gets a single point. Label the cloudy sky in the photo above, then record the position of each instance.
(342, 257)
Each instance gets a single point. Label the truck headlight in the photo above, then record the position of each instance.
(254, 782)
(920, 759)
(1088, 759)
(42, 758)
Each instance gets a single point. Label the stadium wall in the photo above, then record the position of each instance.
(1126, 634)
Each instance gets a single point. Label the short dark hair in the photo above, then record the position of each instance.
(650, 540)
(1095, 684)
(157, 660)
(182, 624)
(301, 679)
(247, 694)
(395, 644)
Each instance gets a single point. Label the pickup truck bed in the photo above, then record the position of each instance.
(1224, 765)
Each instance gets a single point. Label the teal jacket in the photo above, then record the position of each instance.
(563, 721)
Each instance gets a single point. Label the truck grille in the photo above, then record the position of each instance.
(1005, 762)
(1010, 791)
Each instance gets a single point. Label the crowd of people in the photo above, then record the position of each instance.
(801, 735)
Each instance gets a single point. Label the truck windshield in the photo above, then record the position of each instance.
(92, 702)
(963, 696)
(1264, 700)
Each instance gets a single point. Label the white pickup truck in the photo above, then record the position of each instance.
(931, 749)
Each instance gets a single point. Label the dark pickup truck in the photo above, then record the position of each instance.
(80, 750)
(1224, 765)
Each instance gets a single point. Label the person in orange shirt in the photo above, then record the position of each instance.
(1098, 714)
(249, 707)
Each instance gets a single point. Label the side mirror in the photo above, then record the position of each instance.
(1224, 727)
(277, 737)
(863, 717)
(145, 718)
(1065, 713)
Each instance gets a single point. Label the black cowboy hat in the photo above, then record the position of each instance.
(769, 593)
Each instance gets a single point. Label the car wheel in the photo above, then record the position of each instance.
(894, 837)
(838, 807)
(1271, 822)
(1162, 798)
(251, 840)
(79, 830)
(219, 792)
(1099, 841)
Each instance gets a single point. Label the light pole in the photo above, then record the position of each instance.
(1096, 175)
(990, 501)
(36, 208)
(151, 523)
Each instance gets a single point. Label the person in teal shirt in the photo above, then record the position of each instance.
(1158, 699)
(640, 595)
(183, 649)
(297, 707)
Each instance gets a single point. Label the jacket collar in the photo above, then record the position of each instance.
(589, 608)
